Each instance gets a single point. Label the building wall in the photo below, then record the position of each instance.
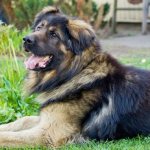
(123, 15)
(128, 16)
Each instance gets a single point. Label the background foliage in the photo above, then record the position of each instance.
(13, 104)
(22, 12)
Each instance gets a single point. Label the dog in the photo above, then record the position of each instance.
(84, 93)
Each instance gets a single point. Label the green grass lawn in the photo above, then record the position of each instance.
(13, 105)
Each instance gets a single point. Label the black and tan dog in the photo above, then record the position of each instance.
(83, 92)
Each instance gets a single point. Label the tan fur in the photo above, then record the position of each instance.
(48, 9)
(33, 80)
(21, 124)
(60, 123)
(76, 26)
(85, 77)
(48, 76)
(63, 49)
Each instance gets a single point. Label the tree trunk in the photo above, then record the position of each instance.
(7, 6)
(99, 18)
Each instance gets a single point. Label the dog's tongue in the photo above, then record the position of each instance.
(36, 62)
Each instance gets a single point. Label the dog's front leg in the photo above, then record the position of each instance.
(26, 138)
(21, 124)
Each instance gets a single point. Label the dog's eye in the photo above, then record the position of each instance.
(52, 34)
(38, 28)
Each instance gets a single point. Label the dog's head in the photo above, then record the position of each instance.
(59, 44)
(54, 37)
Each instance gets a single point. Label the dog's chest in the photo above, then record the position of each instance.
(73, 108)
(63, 119)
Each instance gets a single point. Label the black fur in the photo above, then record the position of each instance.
(122, 110)
(78, 45)
(127, 112)
(44, 15)
(75, 45)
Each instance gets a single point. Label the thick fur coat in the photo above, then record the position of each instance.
(84, 93)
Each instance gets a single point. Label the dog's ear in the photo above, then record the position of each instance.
(82, 35)
(49, 10)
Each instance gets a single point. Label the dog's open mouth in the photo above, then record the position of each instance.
(35, 62)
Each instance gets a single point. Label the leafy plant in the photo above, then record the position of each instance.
(12, 104)
(25, 10)
(22, 12)
(11, 39)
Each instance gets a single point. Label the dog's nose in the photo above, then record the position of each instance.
(29, 40)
